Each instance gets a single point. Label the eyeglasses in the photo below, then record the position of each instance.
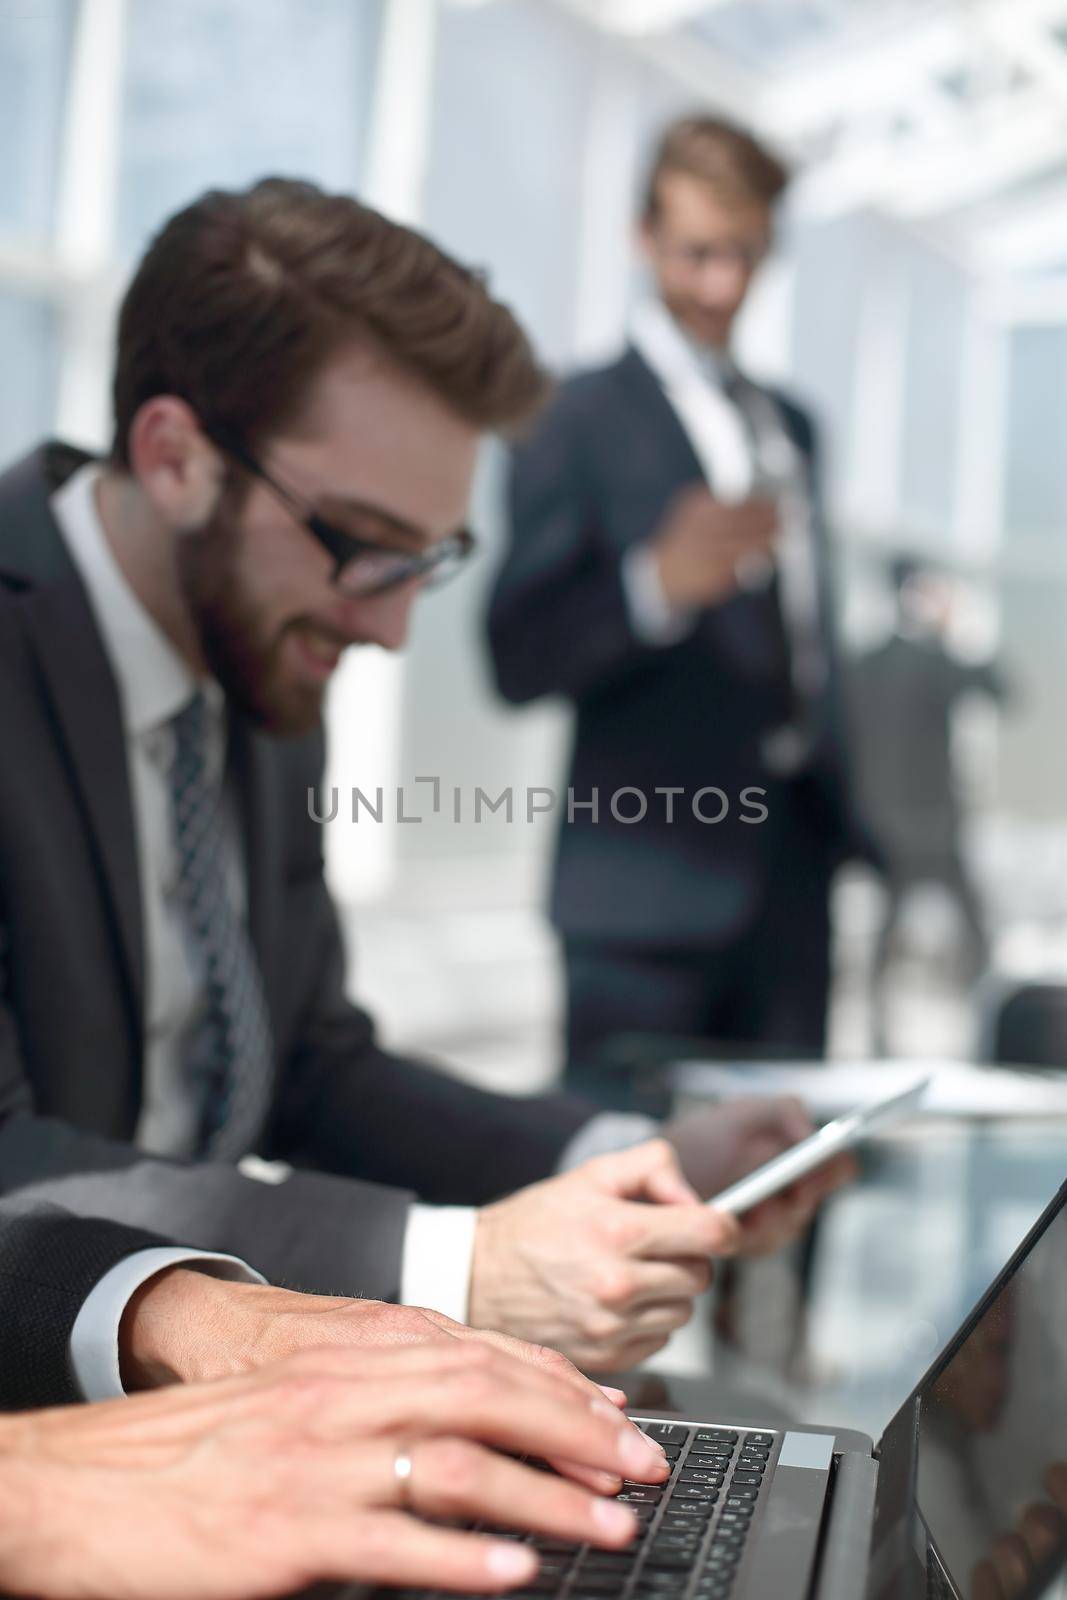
(362, 567)
(746, 257)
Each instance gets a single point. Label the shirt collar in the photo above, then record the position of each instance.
(154, 682)
(672, 352)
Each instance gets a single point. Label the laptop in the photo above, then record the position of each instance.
(963, 1498)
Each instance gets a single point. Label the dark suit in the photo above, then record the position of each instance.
(666, 924)
(903, 695)
(49, 1263)
(71, 977)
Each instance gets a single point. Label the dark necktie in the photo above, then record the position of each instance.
(237, 1044)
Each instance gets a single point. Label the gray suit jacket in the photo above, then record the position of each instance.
(367, 1128)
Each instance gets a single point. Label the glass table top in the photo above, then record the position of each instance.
(898, 1260)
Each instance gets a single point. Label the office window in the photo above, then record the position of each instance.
(934, 366)
(1033, 756)
(503, 186)
(28, 339)
(1036, 479)
(34, 60)
(221, 92)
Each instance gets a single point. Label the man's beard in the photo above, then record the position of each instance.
(246, 663)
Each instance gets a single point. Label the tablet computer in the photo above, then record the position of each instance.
(802, 1158)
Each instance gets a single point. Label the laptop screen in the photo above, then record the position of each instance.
(991, 1433)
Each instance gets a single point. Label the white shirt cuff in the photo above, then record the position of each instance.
(94, 1339)
(604, 1134)
(652, 617)
(438, 1256)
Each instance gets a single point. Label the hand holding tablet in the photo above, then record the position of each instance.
(811, 1153)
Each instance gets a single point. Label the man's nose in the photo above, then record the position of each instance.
(723, 283)
(384, 619)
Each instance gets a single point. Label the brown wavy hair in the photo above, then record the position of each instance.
(243, 296)
(722, 155)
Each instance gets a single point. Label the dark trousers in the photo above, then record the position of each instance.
(766, 993)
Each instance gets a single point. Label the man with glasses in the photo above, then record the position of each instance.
(668, 575)
(300, 391)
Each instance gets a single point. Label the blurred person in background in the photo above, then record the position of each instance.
(300, 390)
(668, 574)
(904, 695)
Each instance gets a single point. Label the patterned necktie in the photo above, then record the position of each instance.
(238, 1043)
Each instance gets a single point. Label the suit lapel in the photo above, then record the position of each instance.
(80, 689)
(251, 764)
(83, 695)
(666, 441)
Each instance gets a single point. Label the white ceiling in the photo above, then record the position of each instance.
(950, 114)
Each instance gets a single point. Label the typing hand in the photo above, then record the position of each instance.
(184, 1326)
(702, 545)
(265, 1483)
(717, 1145)
(586, 1263)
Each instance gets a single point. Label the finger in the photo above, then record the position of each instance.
(602, 1483)
(599, 1482)
(663, 1318)
(511, 1360)
(543, 1358)
(836, 1173)
(757, 533)
(759, 1149)
(457, 1478)
(527, 1420)
(551, 1362)
(752, 519)
(791, 1118)
(389, 1547)
(633, 1352)
(671, 1233)
(465, 1387)
(1010, 1562)
(774, 1224)
(829, 1176)
(649, 1328)
(651, 1282)
(648, 1171)
(985, 1585)
(1041, 1529)
(809, 1192)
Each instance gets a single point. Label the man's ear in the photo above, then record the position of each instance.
(177, 468)
(642, 238)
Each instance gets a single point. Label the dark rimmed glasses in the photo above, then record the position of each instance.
(362, 567)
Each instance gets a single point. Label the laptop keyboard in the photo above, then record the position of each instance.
(692, 1529)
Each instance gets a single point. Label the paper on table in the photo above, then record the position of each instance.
(957, 1088)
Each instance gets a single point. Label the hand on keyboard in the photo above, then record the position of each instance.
(262, 1484)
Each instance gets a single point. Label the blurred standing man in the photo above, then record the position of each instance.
(903, 698)
(669, 575)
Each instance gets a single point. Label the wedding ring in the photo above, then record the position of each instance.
(402, 1474)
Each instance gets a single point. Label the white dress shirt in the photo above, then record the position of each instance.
(154, 683)
(744, 449)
